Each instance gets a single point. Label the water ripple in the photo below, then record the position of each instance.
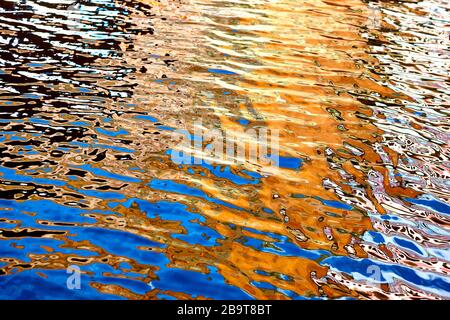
(94, 92)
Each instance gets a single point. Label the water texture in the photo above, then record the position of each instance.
(94, 94)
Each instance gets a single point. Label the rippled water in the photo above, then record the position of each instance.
(92, 91)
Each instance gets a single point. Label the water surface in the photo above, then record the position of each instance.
(91, 93)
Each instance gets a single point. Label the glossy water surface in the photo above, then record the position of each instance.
(91, 92)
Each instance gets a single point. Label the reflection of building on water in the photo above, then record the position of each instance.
(91, 93)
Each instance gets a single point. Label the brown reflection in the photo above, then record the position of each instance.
(299, 68)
